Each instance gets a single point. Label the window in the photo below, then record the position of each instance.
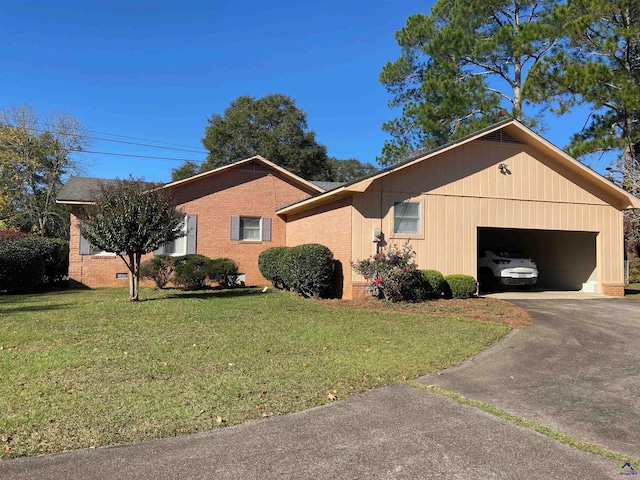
(183, 245)
(251, 229)
(179, 245)
(85, 248)
(406, 218)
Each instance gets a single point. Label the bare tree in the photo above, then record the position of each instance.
(37, 153)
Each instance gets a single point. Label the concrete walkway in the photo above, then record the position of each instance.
(547, 295)
(398, 432)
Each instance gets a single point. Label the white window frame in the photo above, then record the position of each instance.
(418, 230)
(96, 252)
(182, 240)
(243, 238)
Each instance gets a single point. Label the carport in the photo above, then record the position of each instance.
(566, 259)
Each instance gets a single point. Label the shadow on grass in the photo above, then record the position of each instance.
(212, 293)
(34, 308)
(15, 297)
(632, 290)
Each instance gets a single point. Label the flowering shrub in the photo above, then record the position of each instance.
(389, 270)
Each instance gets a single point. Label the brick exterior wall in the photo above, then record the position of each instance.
(251, 189)
(329, 225)
(613, 289)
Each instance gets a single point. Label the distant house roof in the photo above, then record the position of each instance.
(326, 186)
(81, 189)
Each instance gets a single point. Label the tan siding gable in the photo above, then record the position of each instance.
(472, 171)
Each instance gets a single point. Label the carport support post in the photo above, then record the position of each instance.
(599, 273)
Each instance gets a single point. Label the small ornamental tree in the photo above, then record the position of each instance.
(130, 219)
(388, 270)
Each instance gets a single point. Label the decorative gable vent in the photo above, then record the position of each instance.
(500, 136)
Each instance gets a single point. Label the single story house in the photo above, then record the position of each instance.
(504, 184)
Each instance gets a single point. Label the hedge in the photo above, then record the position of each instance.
(192, 271)
(21, 269)
(159, 269)
(28, 262)
(269, 264)
(460, 286)
(224, 271)
(305, 269)
(435, 283)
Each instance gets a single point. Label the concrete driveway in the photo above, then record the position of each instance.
(398, 432)
(576, 369)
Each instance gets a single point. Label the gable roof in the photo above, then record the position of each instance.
(82, 190)
(513, 128)
(256, 158)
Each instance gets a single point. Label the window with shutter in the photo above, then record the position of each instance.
(183, 245)
(251, 229)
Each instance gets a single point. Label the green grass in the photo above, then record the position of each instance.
(531, 425)
(632, 290)
(87, 368)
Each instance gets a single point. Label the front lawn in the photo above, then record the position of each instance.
(87, 368)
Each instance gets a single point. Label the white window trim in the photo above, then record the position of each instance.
(242, 238)
(184, 241)
(101, 253)
(420, 217)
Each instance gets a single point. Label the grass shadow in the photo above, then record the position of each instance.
(212, 293)
(35, 308)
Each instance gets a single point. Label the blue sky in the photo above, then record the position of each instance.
(157, 70)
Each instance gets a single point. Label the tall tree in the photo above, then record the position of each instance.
(460, 67)
(349, 170)
(129, 219)
(186, 170)
(37, 152)
(598, 64)
(271, 126)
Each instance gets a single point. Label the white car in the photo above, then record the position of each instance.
(506, 266)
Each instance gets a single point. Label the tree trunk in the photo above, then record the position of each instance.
(133, 285)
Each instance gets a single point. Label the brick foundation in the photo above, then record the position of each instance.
(613, 289)
(359, 290)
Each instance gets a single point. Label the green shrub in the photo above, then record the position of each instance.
(270, 264)
(159, 269)
(52, 253)
(460, 286)
(21, 268)
(415, 288)
(308, 270)
(391, 272)
(191, 271)
(435, 283)
(634, 270)
(225, 272)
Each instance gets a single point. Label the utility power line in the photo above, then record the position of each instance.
(186, 149)
(142, 156)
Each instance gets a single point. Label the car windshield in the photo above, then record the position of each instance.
(509, 253)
